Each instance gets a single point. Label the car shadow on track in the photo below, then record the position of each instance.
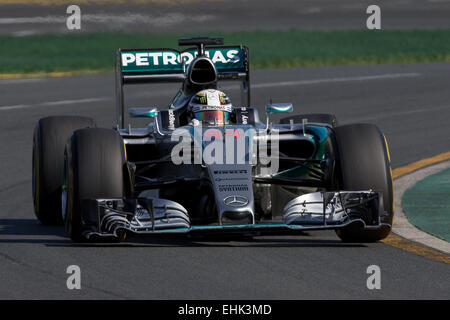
(217, 242)
(32, 231)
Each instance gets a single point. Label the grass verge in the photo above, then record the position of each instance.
(95, 52)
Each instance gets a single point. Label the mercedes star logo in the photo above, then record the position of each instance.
(235, 201)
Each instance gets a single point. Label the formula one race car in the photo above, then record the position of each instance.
(206, 166)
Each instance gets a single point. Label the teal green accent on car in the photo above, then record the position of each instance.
(320, 138)
(427, 204)
(256, 225)
(143, 112)
(279, 107)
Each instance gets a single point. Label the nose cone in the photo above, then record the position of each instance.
(233, 190)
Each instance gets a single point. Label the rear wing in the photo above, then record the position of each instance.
(138, 66)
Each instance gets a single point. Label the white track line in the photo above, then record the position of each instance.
(19, 81)
(43, 19)
(402, 226)
(341, 79)
(388, 115)
(126, 18)
(254, 86)
(52, 103)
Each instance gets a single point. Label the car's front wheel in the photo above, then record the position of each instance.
(364, 164)
(94, 168)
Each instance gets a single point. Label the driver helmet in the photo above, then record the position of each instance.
(211, 107)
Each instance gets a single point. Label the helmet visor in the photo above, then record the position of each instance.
(213, 117)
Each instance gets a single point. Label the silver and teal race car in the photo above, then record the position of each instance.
(179, 174)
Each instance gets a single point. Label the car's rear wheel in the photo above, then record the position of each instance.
(364, 164)
(49, 139)
(94, 168)
(313, 117)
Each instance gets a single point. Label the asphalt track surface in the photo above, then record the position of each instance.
(225, 15)
(410, 103)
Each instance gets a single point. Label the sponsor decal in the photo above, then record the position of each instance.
(171, 120)
(244, 115)
(230, 171)
(198, 108)
(235, 201)
(228, 179)
(172, 60)
(233, 187)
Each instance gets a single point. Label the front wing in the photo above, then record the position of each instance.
(313, 211)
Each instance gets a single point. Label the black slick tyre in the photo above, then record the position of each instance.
(94, 168)
(49, 139)
(364, 164)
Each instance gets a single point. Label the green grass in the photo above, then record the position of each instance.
(96, 51)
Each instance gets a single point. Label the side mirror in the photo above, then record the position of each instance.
(279, 107)
(143, 112)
